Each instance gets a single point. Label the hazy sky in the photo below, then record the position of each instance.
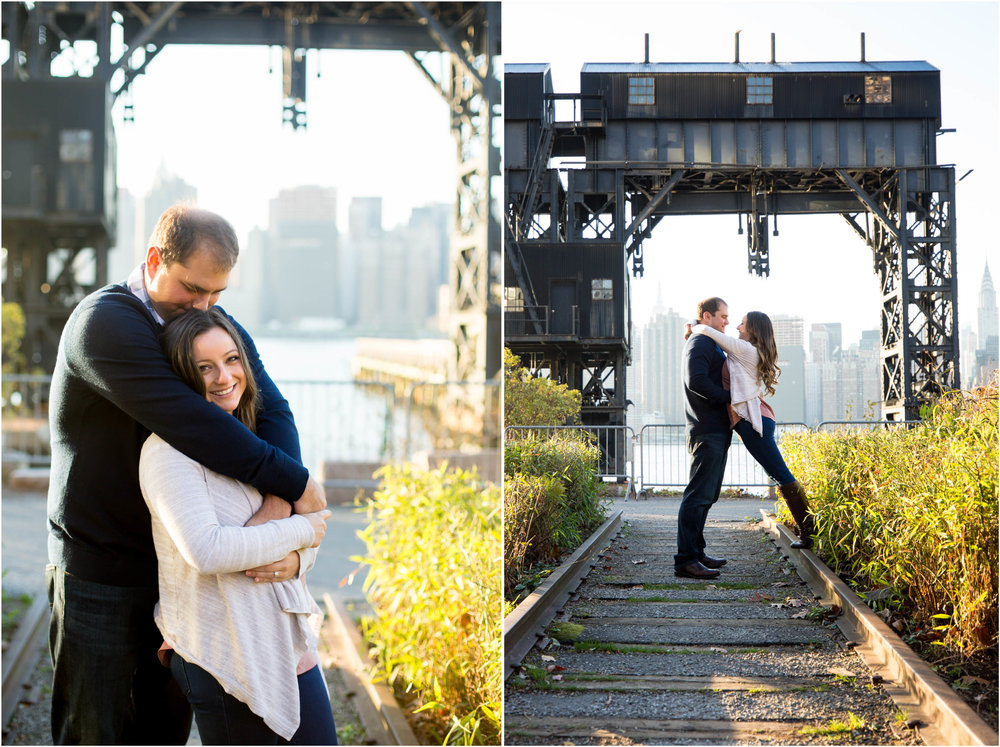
(820, 268)
(213, 116)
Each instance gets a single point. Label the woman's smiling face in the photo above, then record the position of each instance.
(218, 360)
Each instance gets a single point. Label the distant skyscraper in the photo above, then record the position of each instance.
(400, 272)
(168, 189)
(989, 343)
(788, 330)
(969, 343)
(829, 336)
(988, 319)
(789, 399)
(123, 256)
(300, 278)
(659, 395)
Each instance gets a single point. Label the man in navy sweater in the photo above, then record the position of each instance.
(708, 437)
(111, 387)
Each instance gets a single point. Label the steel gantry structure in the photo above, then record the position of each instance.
(59, 156)
(652, 140)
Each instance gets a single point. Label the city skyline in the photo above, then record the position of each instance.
(229, 141)
(363, 278)
(820, 268)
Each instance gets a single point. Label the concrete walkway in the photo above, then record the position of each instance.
(25, 554)
(747, 658)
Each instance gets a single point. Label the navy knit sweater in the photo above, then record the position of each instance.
(704, 398)
(111, 387)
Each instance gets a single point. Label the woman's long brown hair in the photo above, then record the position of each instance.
(761, 333)
(178, 344)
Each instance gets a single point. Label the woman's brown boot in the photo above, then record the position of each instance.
(798, 505)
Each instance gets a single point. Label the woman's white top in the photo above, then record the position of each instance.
(745, 387)
(249, 636)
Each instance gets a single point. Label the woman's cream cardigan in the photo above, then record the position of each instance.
(744, 384)
(249, 636)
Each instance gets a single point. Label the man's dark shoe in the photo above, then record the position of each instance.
(712, 562)
(694, 569)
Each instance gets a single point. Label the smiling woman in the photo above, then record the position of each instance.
(208, 353)
(223, 629)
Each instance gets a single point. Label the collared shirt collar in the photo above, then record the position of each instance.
(137, 284)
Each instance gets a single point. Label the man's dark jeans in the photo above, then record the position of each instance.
(708, 463)
(108, 686)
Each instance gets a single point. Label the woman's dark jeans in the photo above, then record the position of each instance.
(764, 449)
(222, 719)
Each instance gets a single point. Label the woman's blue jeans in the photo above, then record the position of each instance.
(222, 719)
(763, 448)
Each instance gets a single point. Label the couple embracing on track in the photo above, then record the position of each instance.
(725, 380)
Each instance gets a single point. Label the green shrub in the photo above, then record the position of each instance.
(535, 401)
(532, 509)
(914, 510)
(433, 551)
(553, 498)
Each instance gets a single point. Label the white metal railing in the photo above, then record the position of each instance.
(663, 461)
(338, 421)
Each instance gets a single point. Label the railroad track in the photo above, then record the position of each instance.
(22, 655)
(757, 656)
(377, 710)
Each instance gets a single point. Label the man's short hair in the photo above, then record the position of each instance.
(711, 305)
(184, 228)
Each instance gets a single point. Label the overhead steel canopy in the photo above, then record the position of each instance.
(59, 183)
(645, 141)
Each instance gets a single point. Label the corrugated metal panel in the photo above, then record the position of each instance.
(800, 143)
(698, 94)
(524, 88)
(564, 266)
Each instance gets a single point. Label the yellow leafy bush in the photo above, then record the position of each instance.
(433, 552)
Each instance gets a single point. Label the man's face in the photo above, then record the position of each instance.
(180, 286)
(718, 320)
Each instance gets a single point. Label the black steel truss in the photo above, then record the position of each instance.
(905, 215)
(468, 32)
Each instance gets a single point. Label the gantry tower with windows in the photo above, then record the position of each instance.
(640, 142)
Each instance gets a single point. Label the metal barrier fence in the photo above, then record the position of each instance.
(442, 416)
(616, 443)
(26, 418)
(338, 421)
(663, 460)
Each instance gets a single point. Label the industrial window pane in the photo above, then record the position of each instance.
(513, 299)
(76, 146)
(878, 89)
(759, 90)
(640, 91)
(601, 289)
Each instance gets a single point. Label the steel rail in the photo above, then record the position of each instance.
(523, 627)
(944, 717)
(21, 657)
(376, 706)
